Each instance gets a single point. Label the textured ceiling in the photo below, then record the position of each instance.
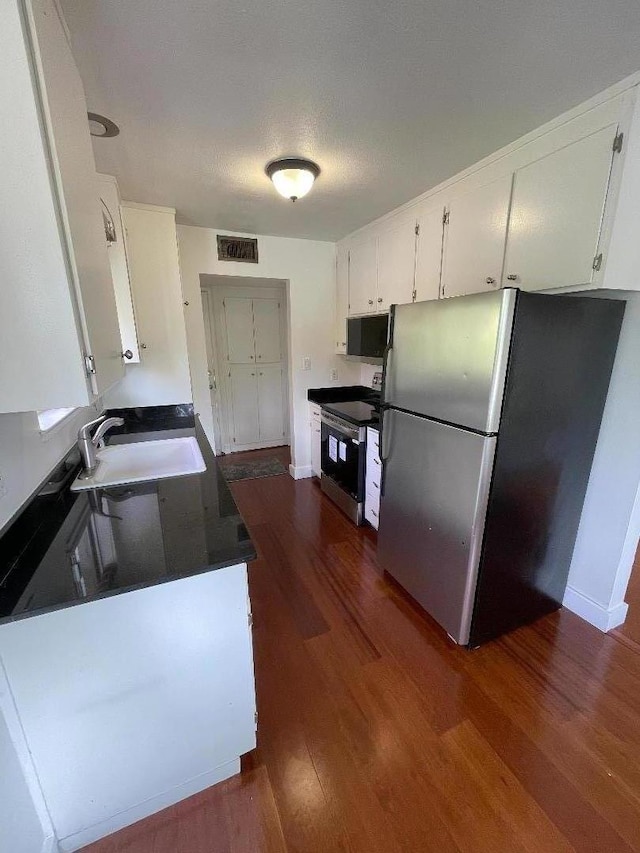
(389, 98)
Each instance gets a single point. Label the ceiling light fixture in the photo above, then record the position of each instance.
(293, 177)
(101, 126)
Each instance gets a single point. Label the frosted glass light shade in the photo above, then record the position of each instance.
(293, 178)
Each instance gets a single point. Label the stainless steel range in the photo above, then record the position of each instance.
(343, 455)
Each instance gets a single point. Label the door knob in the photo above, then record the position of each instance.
(490, 280)
(127, 354)
(512, 277)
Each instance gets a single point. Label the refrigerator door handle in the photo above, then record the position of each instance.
(386, 354)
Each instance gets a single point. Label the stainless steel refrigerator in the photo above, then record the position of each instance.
(491, 411)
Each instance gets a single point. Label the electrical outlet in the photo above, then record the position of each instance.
(334, 374)
(306, 363)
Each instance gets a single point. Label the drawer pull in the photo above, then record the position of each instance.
(373, 512)
(377, 461)
(377, 485)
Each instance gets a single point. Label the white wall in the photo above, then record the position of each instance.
(309, 268)
(602, 558)
(162, 377)
(27, 456)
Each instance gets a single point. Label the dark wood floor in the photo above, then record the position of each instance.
(376, 734)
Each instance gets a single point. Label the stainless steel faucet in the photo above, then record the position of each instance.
(88, 444)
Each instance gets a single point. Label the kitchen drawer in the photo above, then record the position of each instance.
(371, 514)
(373, 462)
(372, 485)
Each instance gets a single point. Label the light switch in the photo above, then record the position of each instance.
(306, 363)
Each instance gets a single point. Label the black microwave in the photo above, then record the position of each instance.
(367, 336)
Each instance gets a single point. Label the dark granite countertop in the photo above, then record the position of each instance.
(66, 548)
(357, 412)
(341, 394)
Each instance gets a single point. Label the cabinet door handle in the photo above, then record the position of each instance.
(490, 280)
(251, 356)
(512, 277)
(344, 343)
(379, 298)
(259, 356)
(373, 512)
(127, 354)
(371, 302)
(377, 461)
(377, 485)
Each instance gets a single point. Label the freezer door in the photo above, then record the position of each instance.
(448, 358)
(432, 514)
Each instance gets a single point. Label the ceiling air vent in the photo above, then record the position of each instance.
(243, 249)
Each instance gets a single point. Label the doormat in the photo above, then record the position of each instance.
(252, 470)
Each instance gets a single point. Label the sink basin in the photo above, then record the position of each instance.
(144, 460)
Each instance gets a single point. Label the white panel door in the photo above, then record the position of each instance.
(243, 394)
(363, 276)
(429, 254)
(556, 214)
(342, 299)
(396, 264)
(270, 402)
(238, 321)
(475, 239)
(75, 175)
(267, 330)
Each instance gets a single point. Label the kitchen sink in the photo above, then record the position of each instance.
(143, 460)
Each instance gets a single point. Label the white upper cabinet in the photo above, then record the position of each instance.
(342, 298)
(57, 304)
(396, 264)
(119, 263)
(475, 238)
(429, 254)
(363, 276)
(267, 332)
(556, 215)
(74, 173)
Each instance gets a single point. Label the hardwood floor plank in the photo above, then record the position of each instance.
(377, 734)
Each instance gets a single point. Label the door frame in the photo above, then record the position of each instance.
(216, 287)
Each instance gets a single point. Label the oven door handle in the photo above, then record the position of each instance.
(339, 426)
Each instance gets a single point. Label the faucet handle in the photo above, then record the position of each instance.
(85, 431)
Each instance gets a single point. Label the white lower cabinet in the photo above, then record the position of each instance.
(131, 703)
(316, 438)
(373, 474)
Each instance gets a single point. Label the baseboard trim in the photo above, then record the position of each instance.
(148, 807)
(602, 617)
(301, 472)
